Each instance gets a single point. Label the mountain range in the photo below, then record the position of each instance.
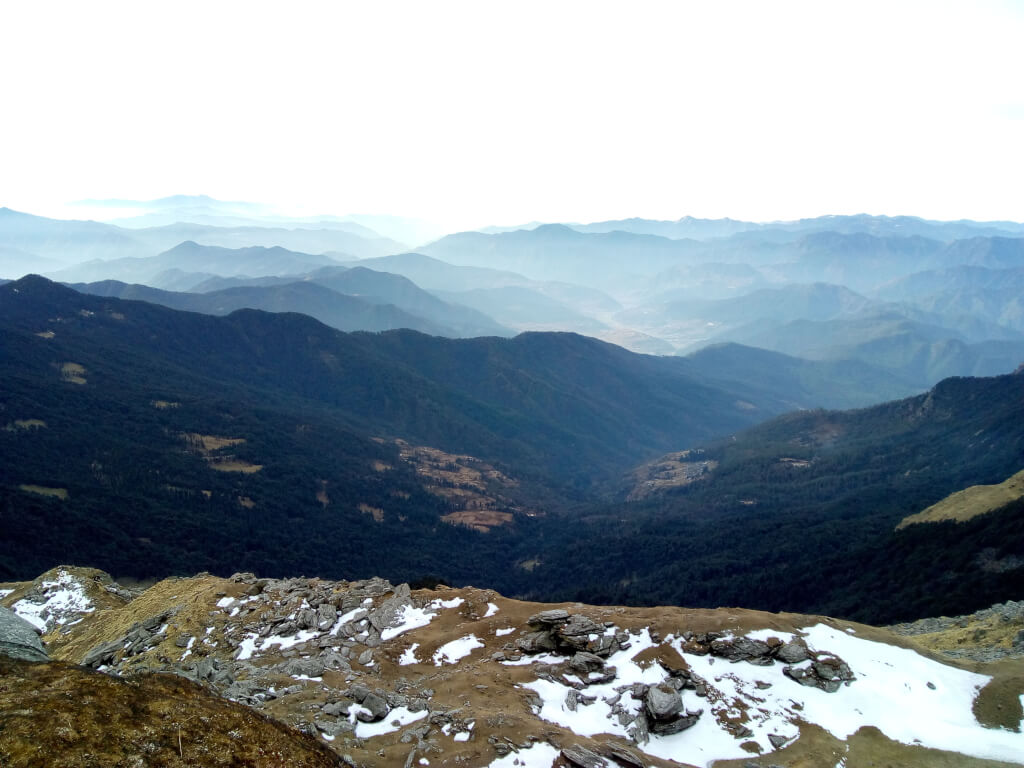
(148, 424)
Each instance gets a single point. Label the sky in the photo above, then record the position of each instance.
(475, 113)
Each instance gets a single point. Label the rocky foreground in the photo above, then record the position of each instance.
(368, 673)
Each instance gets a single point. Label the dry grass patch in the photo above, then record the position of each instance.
(208, 443)
(45, 334)
(42, 490)
(970, 502)
(72, 372)
(25, 424)
(672, 470)
(376, 512)
(163, 405)
(231, 464)
(472, 488)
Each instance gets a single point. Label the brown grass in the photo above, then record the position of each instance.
(163, 405)
(55, 714)
(970, 502)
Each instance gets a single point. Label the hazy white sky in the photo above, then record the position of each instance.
(483, 112)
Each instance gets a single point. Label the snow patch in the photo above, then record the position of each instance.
(409, 656)
(396, 718)
(503, 632)
(410, 618)
(491, 610)
(451, 653)
(59, 603)
(540, 755)
(224, 602)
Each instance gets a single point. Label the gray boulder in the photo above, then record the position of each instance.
(548, 618)
(18, 638)
(793, 652)
(663, 702)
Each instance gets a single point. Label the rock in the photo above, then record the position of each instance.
(583, 757)
(578, 624)
(306, 619)
(663, 702)
(584, 662)
(19, 639)
(102, 654)
(365, 657)
(335, 709)
(741, 649)
(326, 614)
(313, 667)
(793, 652)
(378, 709)
(572, 699)
(679, 724)
(182, 641)
(536, 642)
(826, 673)
(386, 614)
(622, 756)
(549, 618)
(777, 741)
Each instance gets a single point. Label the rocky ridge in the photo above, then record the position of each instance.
(386, 675)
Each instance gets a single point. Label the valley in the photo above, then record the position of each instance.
(805, 442)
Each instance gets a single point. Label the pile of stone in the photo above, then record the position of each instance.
(586, 645)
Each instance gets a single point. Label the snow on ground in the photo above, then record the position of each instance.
(409, 656)
(540, 755)
(4, 593)
(891, 692)
(491, 610)
(595, 718)
(455, 602)
(61, 602)
(224, 602)
(400, 715)
(413, 618)
(248, 647)
(410, 618)
(503, 632)
(451, 653)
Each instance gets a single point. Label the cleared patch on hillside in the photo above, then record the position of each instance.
(212, 448)
(163, 405)
(73, 373)
(376, 512)
(45, 334)
(970, 502)
(25, 424)
(474, 490)
(42, 490)
(673, 470)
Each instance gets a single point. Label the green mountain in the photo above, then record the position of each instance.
(151, 440)
(799, 514)
(382, 288)
(346, 313)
